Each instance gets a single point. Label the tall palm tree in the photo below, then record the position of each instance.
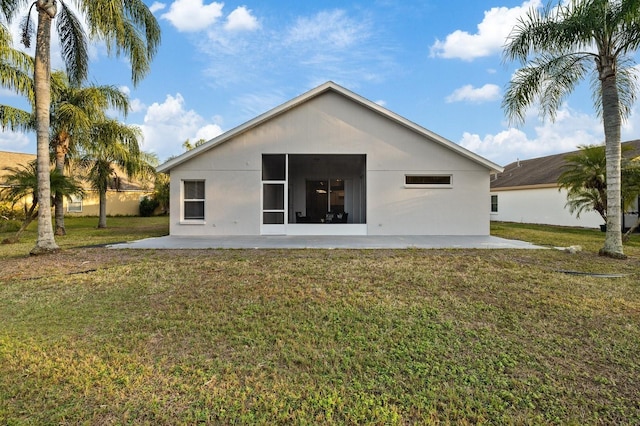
(74, 111)
(559, 46)
(21, 185)
(127, 27)
(113, 143)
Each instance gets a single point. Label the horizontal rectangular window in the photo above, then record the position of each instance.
(421, 180)
(193, 191)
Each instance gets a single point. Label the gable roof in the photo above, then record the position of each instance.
(542, 172)
(313, 93)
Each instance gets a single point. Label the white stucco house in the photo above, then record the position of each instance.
(329, 162)
(527, 192)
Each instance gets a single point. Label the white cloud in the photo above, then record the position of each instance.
(167, 125)
(136, 105)
(328, 28)
(490, 37)
(193, 15)
(208, 132)
(468, 93)
(156, 6)
(570, 129)
(13, 141)
(241, 19)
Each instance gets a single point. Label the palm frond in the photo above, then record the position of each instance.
(16, 78)
(22, 181)
(628, 18)
(626, 82)
(73, 42)
(128, 28)
(9, 8)
(585, 200)
(548, 80)
(16, 119)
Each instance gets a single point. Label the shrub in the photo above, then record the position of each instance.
(148, 206)
(9, 212)
(9, 225)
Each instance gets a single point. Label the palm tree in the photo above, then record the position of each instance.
(126, 26)
(22, 185)
(73, 112)
(113, 143)
(585, 179)
(559, 46)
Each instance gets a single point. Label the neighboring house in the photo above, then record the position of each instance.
(123, 197)
(329, 162)
(527, 192)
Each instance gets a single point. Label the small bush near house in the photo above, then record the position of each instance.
(148, 206)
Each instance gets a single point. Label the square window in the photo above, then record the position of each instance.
(75, 204)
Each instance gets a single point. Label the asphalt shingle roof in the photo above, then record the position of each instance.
(542, 171)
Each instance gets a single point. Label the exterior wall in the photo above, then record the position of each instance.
(542, 206)
(119, 203)
(333, 124)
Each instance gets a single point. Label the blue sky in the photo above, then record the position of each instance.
(436, 62)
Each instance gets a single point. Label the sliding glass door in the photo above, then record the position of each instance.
(324, 197)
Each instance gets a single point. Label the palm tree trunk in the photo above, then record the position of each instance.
(612, 123)
(42, 75)
(61, 146)
(102, 221)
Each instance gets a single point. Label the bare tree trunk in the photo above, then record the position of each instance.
(42, 80)
(612, 123)
(62, 147)
(102, 221)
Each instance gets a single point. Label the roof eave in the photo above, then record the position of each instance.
(167, 166)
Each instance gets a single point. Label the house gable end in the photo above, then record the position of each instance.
(328, 87)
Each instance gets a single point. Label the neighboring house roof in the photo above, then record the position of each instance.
(542, 172)
(327, 87)
(16, 159)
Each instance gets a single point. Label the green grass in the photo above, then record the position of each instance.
(83, 232)
(98, 336)
(557, 236)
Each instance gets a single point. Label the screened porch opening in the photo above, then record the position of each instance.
(326, 189)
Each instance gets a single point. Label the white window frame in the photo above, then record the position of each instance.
(429, 185)
(184, 219)
(496, 204)
(74, 201)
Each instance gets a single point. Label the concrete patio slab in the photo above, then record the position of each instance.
(327, 242)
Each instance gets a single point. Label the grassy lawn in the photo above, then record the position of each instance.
(98, 336)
